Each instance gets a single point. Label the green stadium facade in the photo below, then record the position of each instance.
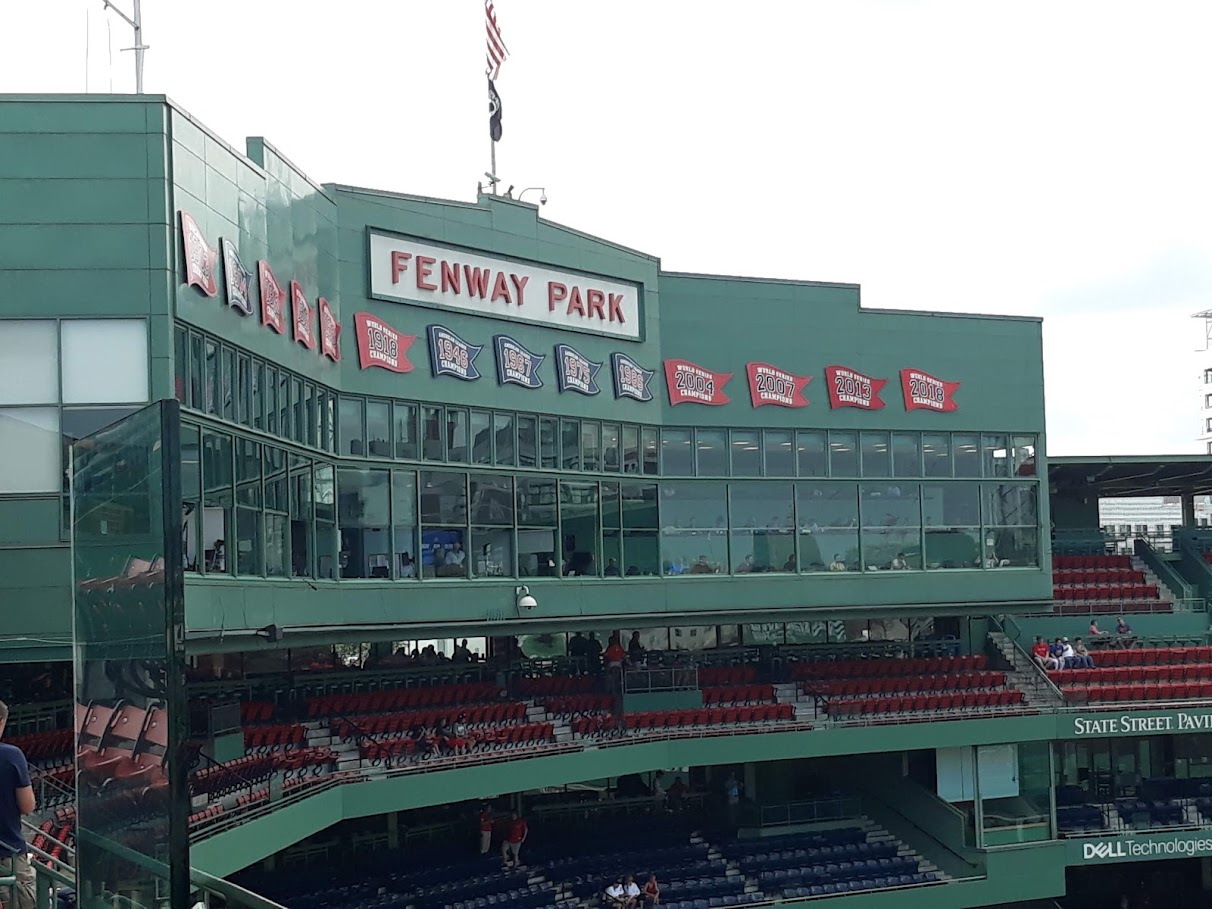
(262, 439)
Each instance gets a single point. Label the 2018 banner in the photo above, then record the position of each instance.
(771, 385)
(515, 364)
(848, 388)
(926, 392)
(575, 371)
(630, 378)
(273, 299)
(330, 333)
(450, 355)
(689, 383)
(200, 258)
(381, 345)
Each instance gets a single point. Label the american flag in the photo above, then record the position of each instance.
(497, 52)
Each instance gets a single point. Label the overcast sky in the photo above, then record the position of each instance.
(1036, 158)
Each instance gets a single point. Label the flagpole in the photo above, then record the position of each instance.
(492, 167)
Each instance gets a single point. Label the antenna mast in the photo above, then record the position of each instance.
(135, 21)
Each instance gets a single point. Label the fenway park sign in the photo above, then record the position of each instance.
(403, 270)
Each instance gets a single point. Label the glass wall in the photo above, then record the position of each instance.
(1016, 792)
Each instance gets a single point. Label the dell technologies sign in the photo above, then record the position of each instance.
(1144, 848)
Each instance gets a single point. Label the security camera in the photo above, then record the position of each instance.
(543, 199)
(525, 600)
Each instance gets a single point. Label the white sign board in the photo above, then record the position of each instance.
(409, 271)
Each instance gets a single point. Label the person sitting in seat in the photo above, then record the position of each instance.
(652, 891)
(1081, 656)
(837, 564)
(1095, 631)
(632, 891)
(1123, 632)
(1057, 652)
(615, 896)
(899, 563)
(1068, 658)
(1040, 653)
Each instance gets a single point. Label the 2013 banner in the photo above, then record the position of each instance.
(450, 355)
(689, 383)
(926, 392)
(381, 345)
(771, 385)
(848, 388)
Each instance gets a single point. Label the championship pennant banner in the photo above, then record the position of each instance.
(630, 378)
(575, 372)
(200, 259)
(273, 299)
(771, 385)
(381, 345)
(689, 383)
(848, 388)
(450, 355)
(301, 307)
(515, 364)
(926, 392)
(239, 279)
(330, 333)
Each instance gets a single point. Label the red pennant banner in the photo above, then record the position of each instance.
(200, 258)
(273, 299)
(690, 383)
(330, 333)
(305, 333)
(771, 385)
(848, 388)
(926, 392)
(381, 345)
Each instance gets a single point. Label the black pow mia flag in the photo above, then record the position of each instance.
(494, 112)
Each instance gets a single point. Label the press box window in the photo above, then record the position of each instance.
(104, 361)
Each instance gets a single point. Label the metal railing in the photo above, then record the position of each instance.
(673, 678)
(808, 812)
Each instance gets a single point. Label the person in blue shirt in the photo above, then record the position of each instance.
(16, 800)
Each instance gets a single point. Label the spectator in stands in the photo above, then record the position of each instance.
(458, 740)
(1094, 629)
(16, 800)
(423, 744)
(1081, 656)
(515, 836)
(612, 569)
(837, 564)
(578, 647)
(632, 891)
(652, 891)
(462, 653)
(408, 568)
(615, 657)
(899, 563)
(1041, 654)
(1124, 631)
(485, 828)
(1068, 657)
(658, 789)
(635, 650)
(593, 652)
(701, 566)
(1057, 652)
(790, 564)
(676, 793)
(616, 895)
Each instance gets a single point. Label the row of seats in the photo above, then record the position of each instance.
(256, 711)
(1164, 691)
(850, 707)
(1154, 656)
(401, 699)
(52, 745)
(1107, 592)
(1072, 818)
(857, 886)
(491, 738)
(205, 814)
(386, 724)
(710, 716)
(727, 901)
(1142, 812)
(530, 896)
(833, 872)
(1123, 607)
(752, 693)
(804, 855)
(283, 735)
(219, 779)
(544, 685)
(575, 704)
(1087, 562)
(727, 675)
(595, 881)
(1098, 576)
(1119, 675)
(881, 666)
(894, 685)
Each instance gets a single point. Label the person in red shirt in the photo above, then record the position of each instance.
(1039, 650)
(514, 838)
(485, 829)
(614, 657)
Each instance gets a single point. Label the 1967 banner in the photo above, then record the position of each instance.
(689, 383)
(926, 392)
(848, 388)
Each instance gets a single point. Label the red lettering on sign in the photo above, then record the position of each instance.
(614, 305)
(500, 290)
(596, 300)
(575, 303)
(399, 264)
(519, 285)
(424, 270)
(555, 293)
(450, 277)
(477, 281)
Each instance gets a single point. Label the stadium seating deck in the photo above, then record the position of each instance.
(1140, 674)
(1081, 583)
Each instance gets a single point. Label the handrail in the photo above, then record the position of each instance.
(1037, 673)
(1163, 569)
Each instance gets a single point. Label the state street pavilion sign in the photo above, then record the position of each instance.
(403, 270)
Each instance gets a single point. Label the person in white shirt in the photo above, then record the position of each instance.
(455, 555)
(1068, 655)
(616, 895)
(899, 563)
(837, 564)
(632, 890)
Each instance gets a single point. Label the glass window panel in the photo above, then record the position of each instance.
(843, 454)
(631, 449)
(810, 454)
(758, 633)
(1022, 456)
(256, 398)
(481, 437)
(612, 532)
(351, 431)
(104, 361)
(404, 522)
(457, 441)
(694, 528)
(610, 447)
(276, 485)
(995, 455)
(78, 422)
(328, 409)
(248, 541)
(528, 440)
(311, 423)
(271, 400)
(378, 429)
(433, 423)
(580, 527)
(537, 552)
(966, 454)
(676, 455)
(828, 517)
(284, 426)
(762, 527)
(362, 511)
(248, 472)
(211, 378)
(536, 502)
(1011, 504)
(877, 456)
(277, 545)
(936, 454)
(570, 444)
(648, 445)
(300, 421)
(641, 546)
(591, 452)
(491, 552)
(196, 397)
(191, 495)
(243, 389)
(692, 637)
(906, 454)
(324, 502)
(218, 498)
(780, 453)
(227, 388)
(1011, 547)
(492, 500)
(443, 498)
(951, 515)
(29, 450)
(502, 432)
(892, 519)
(300, 517)
(711, 447)
(807, 632)
(549, 432)
(746, 453)
(180, 366)
(407, 441)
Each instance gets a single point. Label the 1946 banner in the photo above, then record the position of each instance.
(689, 383)
(771, 385)
(381, 345)
(926, 392)
(848, 388)
(450, 355)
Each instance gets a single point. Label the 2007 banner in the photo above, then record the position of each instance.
(926, 392)
(771, 385)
